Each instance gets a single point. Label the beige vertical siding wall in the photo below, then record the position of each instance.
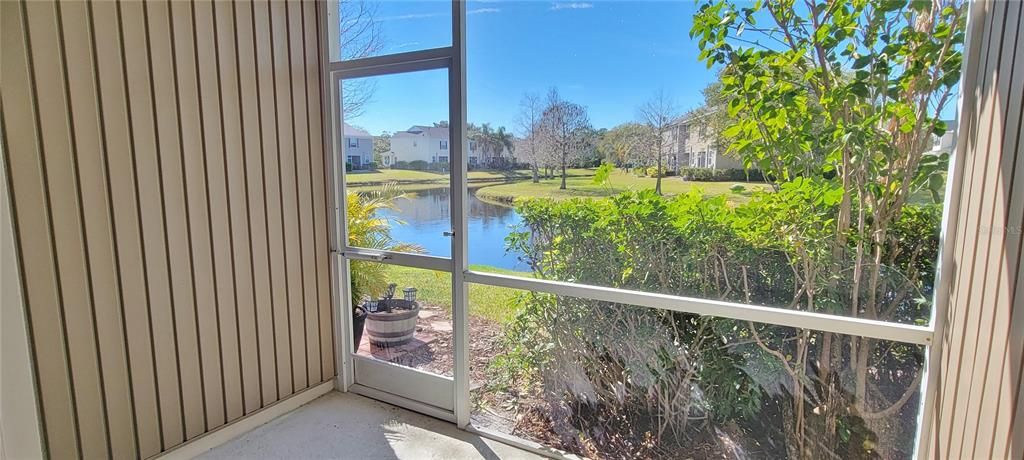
(167, 185)
(979, 409)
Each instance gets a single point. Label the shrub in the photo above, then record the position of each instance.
(415, 165)
(653, 171)
(609, 373)
(721, 175)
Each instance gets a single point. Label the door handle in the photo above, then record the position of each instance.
(361, 256)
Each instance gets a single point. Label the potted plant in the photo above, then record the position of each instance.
(390, 321)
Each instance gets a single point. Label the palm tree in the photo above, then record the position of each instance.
(492, 141)
(502, 140)
(367, 229)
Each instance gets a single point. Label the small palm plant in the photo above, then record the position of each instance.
(367, 229)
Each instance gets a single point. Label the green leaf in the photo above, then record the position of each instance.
(861, 62)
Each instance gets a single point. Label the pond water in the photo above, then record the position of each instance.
(426, 215)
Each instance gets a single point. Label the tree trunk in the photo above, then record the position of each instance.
(536, 175)
(657, 173)
(562, 187)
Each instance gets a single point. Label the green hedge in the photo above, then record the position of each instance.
(634, 361)
(721, 175)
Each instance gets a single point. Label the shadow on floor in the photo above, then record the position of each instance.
(348, 426)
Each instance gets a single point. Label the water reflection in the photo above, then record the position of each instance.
(427, 215)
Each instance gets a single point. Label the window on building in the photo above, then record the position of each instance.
(444, 145)
(353, 142)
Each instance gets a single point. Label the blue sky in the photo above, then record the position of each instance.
(607, 56)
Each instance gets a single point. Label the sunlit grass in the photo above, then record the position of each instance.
(620, 181)
(435, 288)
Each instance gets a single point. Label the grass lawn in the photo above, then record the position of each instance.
(435, 288)
(388, 175)
(619, 182)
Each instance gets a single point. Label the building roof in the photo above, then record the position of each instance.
(420, 130)
(694, 116)
(355, 132)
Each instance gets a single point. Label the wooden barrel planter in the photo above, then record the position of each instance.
(394, 322)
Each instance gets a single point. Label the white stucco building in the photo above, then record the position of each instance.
(423, 143)
(431, 144)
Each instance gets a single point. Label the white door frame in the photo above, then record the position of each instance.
(441, 396)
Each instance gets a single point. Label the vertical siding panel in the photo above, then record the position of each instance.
(289, 193)
(978, 327)
(980, 382)
(994, 320)
(131, 265)
(275, 225)
(307, 236)
(72, 260)
(221, 214)
(193, 156)
(99, 236)
(31, 218)
(1015, 449)
(167, 178)
(1011, 418)
(176, 215)
(146, 152)
(318, 158)
(1011, 358)
(235, 157)
(253, 137)
(965, 243)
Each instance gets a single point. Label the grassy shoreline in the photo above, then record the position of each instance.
(620, 181)
(503, 187)
(419, 180)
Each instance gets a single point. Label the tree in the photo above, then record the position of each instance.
(530, 113)
(566, 130)
(381, 146)
(658, 113)
(492, 142)
(625, 144)
(854, 91)
(502, 140)
(360, 35)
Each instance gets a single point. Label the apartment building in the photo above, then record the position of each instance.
(692, 142)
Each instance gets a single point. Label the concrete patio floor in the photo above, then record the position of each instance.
(349, 426)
